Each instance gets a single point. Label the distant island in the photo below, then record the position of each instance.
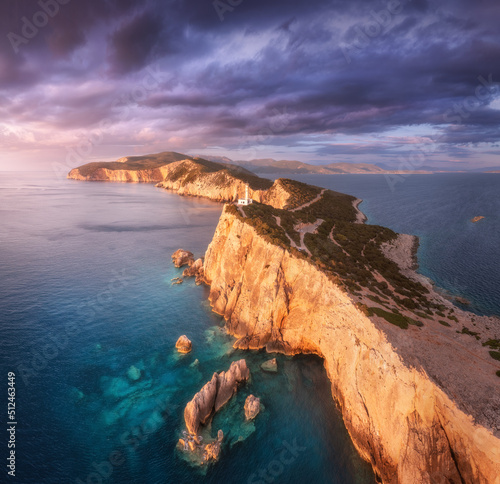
(292, 167)
(298, 271)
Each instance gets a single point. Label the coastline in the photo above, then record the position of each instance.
(428, 395)
(274, 298)
(361, 218)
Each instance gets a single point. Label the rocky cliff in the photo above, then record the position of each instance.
(182, 174)
(420, 405)
(186, 178)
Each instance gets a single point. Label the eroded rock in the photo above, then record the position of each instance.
(270, 366)
(212, 450)
(184, 344)
(214, 395)
(252, 407)
(182, 257)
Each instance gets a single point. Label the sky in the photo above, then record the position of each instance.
(405, 83)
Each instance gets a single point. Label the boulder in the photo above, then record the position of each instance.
(193, 269)
(183, 344)
(212, 452)
(270, 366)
(252, 407)
(182, 257)
(214, 395)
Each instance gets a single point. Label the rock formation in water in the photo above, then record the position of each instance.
(182, 257)
(134, 373)
(212, 450)
(195, 270)
(214, 394)
(419, 404)
(419, 399)
(252, 407)
(183, 344)
(271, 366)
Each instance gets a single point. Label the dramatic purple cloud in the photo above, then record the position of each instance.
(320, 81)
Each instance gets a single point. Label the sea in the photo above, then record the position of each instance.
(89, 319)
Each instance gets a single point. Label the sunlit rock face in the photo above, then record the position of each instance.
(184, 344)
(252, 407)
(214, 395)
(182, 257)
(409, 427)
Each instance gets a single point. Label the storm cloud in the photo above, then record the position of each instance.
(317, 81)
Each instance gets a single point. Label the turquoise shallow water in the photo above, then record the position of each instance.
(85, 295)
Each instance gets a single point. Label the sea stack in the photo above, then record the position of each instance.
(252, 407)
(184, 344)
(182, 257)
(214, 395)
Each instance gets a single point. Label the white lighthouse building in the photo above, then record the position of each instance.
(246, 200)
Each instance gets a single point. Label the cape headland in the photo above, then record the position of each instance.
(299, 272)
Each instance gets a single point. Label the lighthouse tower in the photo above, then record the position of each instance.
(246, 200)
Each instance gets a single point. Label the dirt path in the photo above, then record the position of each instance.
(278, 221)
(240, 208)
(304, 229)
(309, 203)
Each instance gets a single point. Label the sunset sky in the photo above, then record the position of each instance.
(393, 82)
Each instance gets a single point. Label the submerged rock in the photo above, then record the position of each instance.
(270, 366)
(214, 395)
(182, 257)
(183, 344)
(134, 373)
(252, 407)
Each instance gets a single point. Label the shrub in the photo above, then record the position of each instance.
(494, 344)
(495, 355)
(396, 319)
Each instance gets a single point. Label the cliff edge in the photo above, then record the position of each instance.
(420, 404)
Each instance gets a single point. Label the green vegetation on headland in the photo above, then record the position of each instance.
(348, 252)
(319, 225)
(187, 172)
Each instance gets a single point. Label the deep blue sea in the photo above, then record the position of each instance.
(86, 305)
(459, 256)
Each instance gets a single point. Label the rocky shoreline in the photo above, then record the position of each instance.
(430, 420)
(421, 404)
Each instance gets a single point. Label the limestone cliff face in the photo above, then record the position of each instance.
(154, 175)
(187, 177)
(184, 178)
(399, 418)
